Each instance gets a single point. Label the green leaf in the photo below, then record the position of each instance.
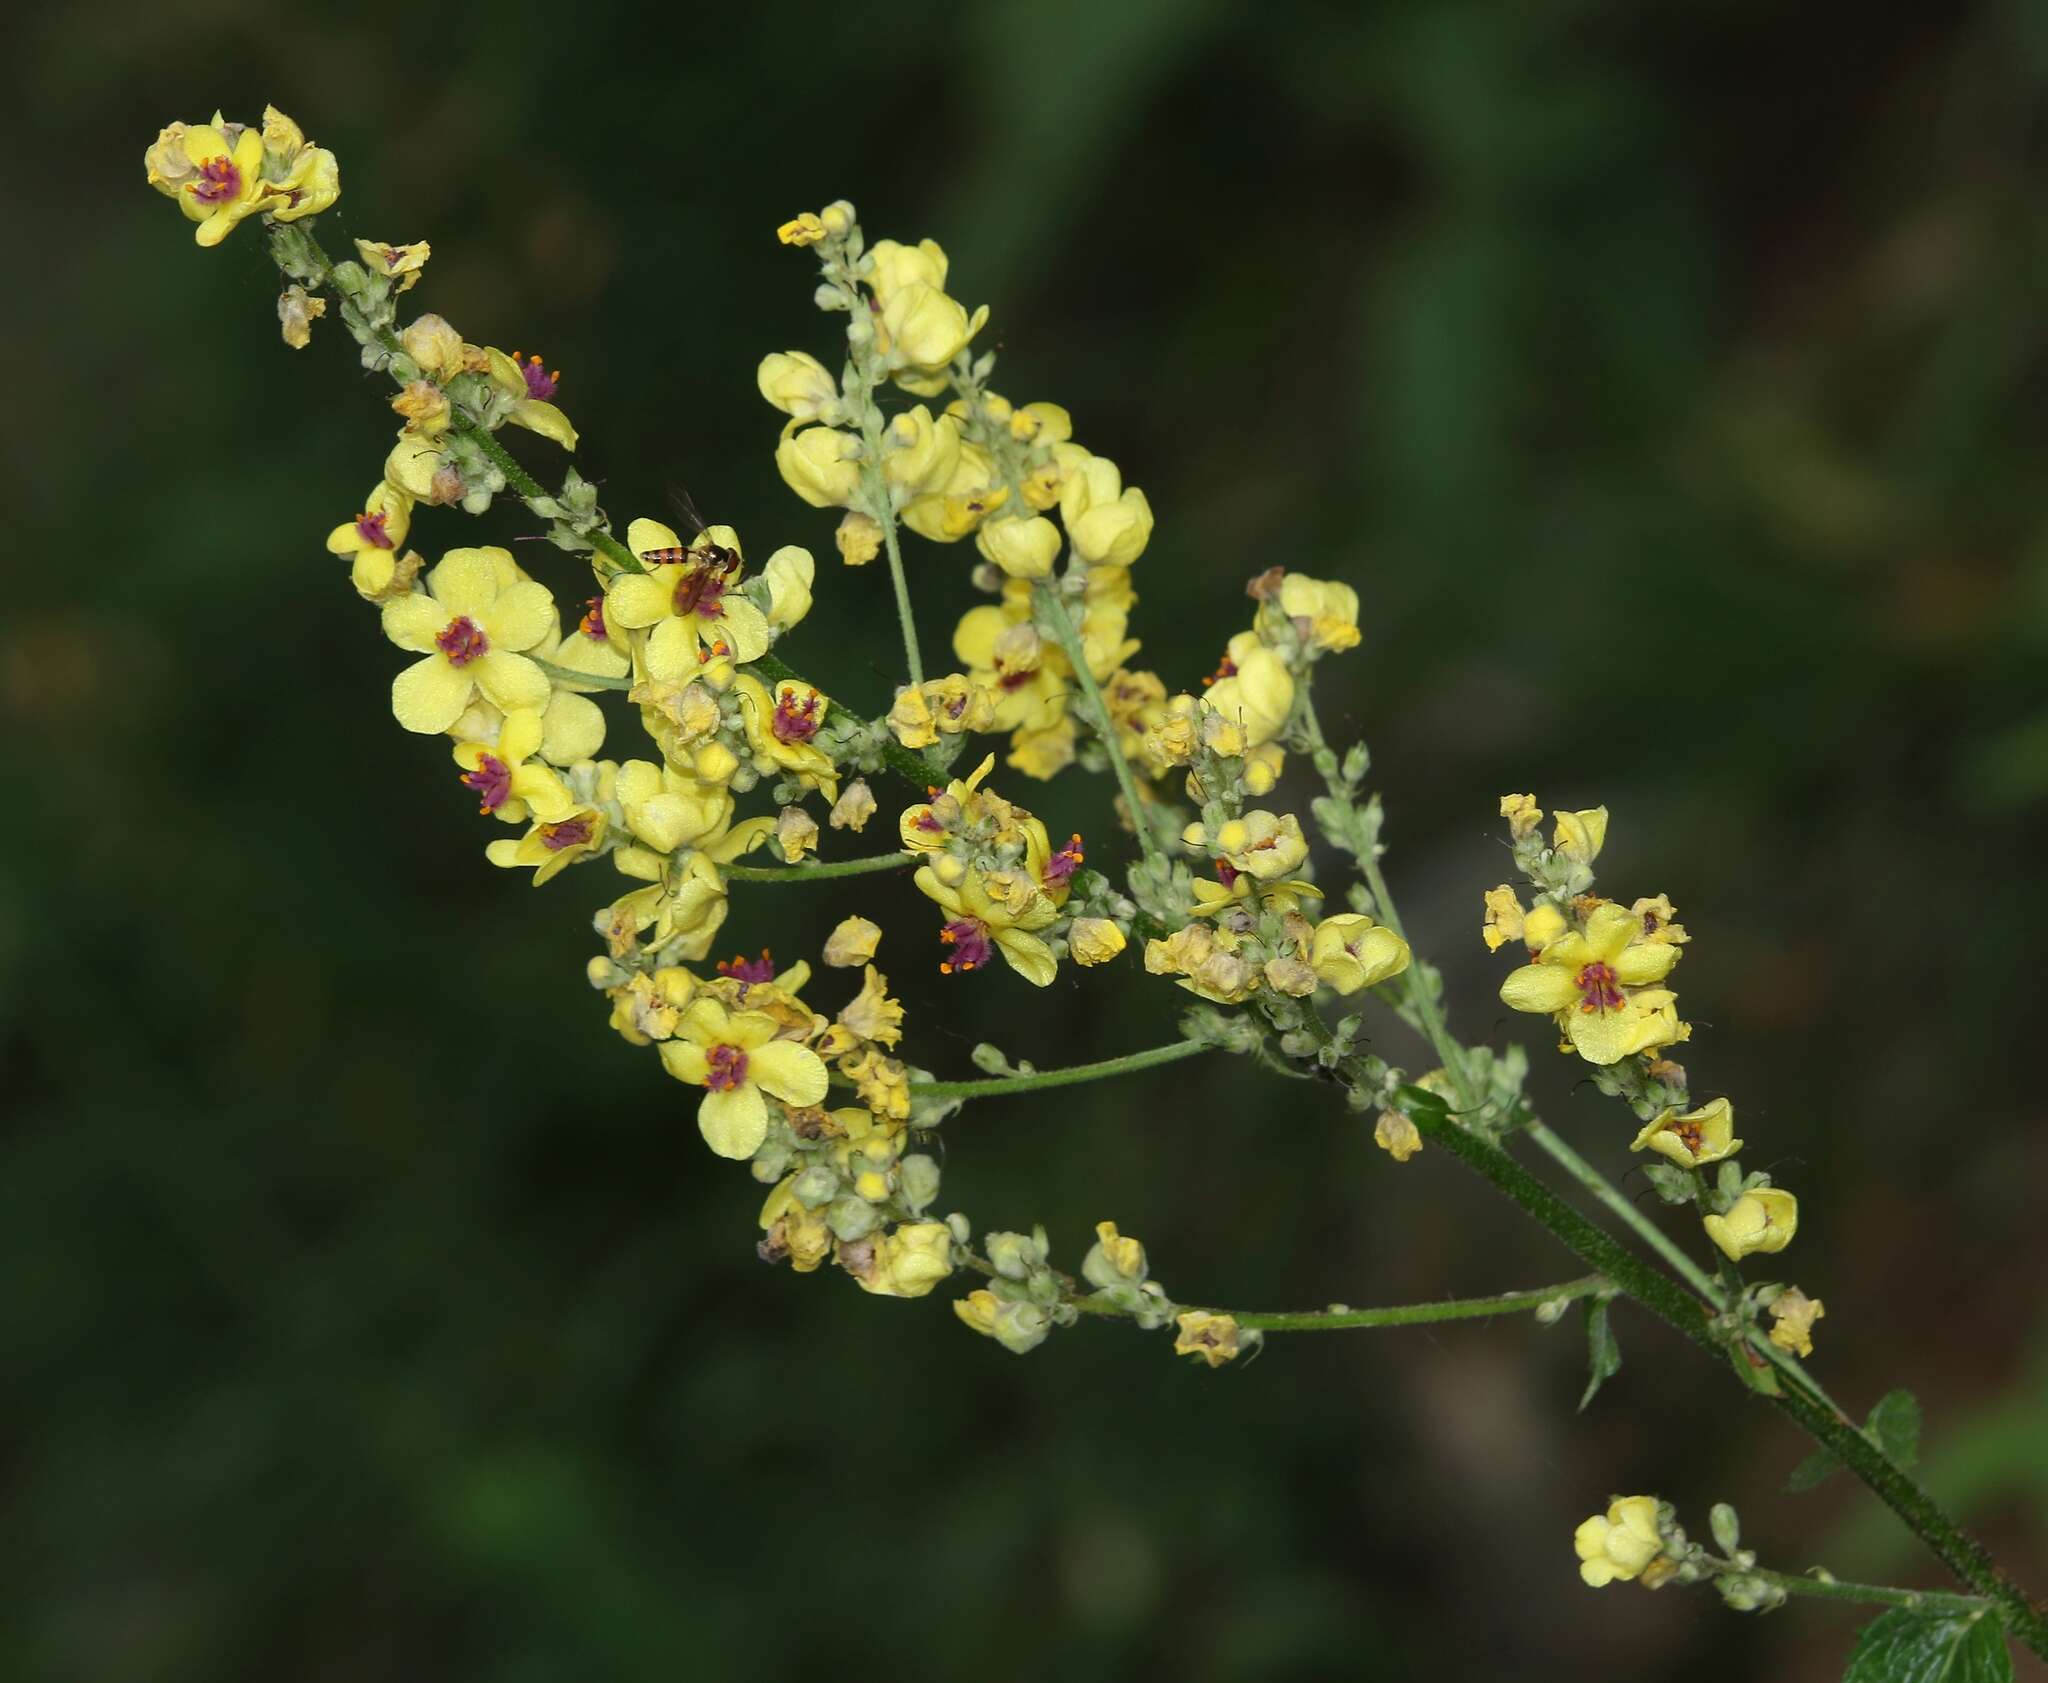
(1909, 1647)
(1602, 1349)
(1810, 1472)
(1894, 1427)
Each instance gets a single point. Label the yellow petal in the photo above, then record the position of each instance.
(510, 680)
(466, 581)
(1539, 987)
(793, 1073)
(734, 1122)
(429, 695)
(520, 617)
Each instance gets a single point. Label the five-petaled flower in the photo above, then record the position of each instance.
(691, 608)
(1600, 986)
(738, 1061)
(469, 625)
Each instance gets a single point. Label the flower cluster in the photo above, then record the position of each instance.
(1598, 970)
(746, 758)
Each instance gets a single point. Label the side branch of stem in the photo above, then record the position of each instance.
(1072, 1075)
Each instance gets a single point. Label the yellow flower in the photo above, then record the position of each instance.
(737, 1059)
(1105, 522)
(1207, 963)
(804, 1236)
(1045, 751)
(297, 310)
(1325, 613)
(374, 539)
(1705, 1135)
(871, 1016)
(399, 264)
(413, 467)
(853, 809)
(1094, 940)
(1660, 920)
(1522, 814)
(1004, 654)
(1114, 1259)
(789, 575)
(1503, 918)
(1580, 835)
(907, 1261)
(552, 845)
(1619, 1544)
(1255, 691)
(891, 266)
(1350, 951)
(918, 453)
(949, 509)
(979, 925)
(469, 628)
(796, 833)
(1214, 1339)
(821, 465)
(798, 385)
(692, 604)
(436, 347)
(780, 729)
(1396, 1135)
(530, 386)
(1599, 987)
(667, 808)
(858, 537)
(1793, 1314)
(1261, 844)
(852, 942)
(1763, 1220)
(1024, 547)
(504, 776)
(222, 172)
(802, 229)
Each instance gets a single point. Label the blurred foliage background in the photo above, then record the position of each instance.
(1670, 381)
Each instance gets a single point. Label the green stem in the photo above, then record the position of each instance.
(1051, 607)
(1613, 1198)
(1073, 1074)
(1834, 1589)
(879, 510)
(819, 871)
(1416, 1314)
(1960, 1552)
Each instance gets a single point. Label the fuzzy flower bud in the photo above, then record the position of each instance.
(1113, 1260)
(435, 346)
(1107, 524)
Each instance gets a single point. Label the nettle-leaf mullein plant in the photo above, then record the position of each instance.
(1198, 874)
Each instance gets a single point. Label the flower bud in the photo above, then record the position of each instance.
(1094, 940)
(1113, 1260)
(789, 576)
(1014, 1256)
(918, 453)
(1023, 548)
(858, 539)
(1105, 522)
(1726, 1527)
(435, 346)
(820, 465)
(918, 1180)
(799, 385)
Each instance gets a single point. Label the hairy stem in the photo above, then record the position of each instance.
(1834, 1589)
(1417, 1314)
(997, 1086)
(819, 871)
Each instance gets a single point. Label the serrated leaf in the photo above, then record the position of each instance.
(1602, 1350)
(1894, 1426)
(1812, 1471)
(1908, 1647)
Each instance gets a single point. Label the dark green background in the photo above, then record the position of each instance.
(1670, 382)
